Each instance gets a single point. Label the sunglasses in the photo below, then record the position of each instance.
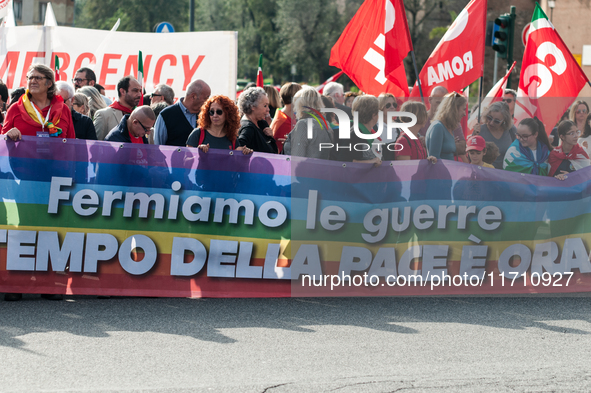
(219, 112)
(390, 105)
(508, 100)
(156, 95)
(490, 119)
(582, 111)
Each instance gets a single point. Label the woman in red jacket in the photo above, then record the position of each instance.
(40, 111)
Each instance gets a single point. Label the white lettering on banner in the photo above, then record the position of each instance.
(446, 70)
(88, 197)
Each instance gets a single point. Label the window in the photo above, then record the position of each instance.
(17, 6)
(42, 9)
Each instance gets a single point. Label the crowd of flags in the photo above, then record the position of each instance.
(373, 46)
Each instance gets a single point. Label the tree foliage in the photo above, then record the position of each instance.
(286, 32)
(135, 15)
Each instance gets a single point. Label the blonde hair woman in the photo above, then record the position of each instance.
(306, 102)
(578, 113)
(440, 140)
(80, 104)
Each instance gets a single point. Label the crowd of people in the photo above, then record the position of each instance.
(275, 121)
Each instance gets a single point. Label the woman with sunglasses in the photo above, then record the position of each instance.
(498, 128)
(578, 114)
(530, 151)
(440, 140)
(569, 156)
(218, 125)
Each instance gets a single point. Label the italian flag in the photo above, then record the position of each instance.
(551, 78)
(260, 72)
(57, 68)
(140, 75)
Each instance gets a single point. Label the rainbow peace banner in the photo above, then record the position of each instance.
(100, 218)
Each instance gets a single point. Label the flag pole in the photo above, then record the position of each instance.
(414, 62)
(480, 83)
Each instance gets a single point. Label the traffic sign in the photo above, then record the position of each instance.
(164, 27)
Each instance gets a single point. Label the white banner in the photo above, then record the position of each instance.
(4, 4)
(172, 58)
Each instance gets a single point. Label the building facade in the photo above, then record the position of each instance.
(32, 12)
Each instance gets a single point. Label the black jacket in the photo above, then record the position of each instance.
(253, 137)
(83, 126)
(120, 133)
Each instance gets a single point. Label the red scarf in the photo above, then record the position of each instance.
(119, 107)
(557, 156)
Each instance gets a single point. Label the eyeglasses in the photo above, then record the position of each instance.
(490, 119)
(523, 137)
(573, 133)
(582, 111)
(79, 80)
(36, 78)
(219, 112)
(508, 100)
(390, 105)
(148, 130)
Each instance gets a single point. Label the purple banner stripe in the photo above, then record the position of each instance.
(130, 154)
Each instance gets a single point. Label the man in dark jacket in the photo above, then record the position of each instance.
(176, 122)
(82, 124)
(134, 128)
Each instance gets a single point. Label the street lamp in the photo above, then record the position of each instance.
(551, 4)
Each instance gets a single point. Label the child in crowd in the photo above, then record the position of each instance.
(476, 148)
(491, 153)
(569, 156)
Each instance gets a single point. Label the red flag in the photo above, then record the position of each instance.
(551, 78)
(360, 52)
(260, 82)
(398, 42)
(495, 94)
(458, 59)
(333, 78)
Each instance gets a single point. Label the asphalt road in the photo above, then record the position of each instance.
(342, 345)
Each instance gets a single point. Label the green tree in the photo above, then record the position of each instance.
(135, 15)
(308, 30)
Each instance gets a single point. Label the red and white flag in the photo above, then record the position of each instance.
(320, 88)
(551, 78)
(495, 94)
(359, 52)
(398, 42)
(458, 59)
